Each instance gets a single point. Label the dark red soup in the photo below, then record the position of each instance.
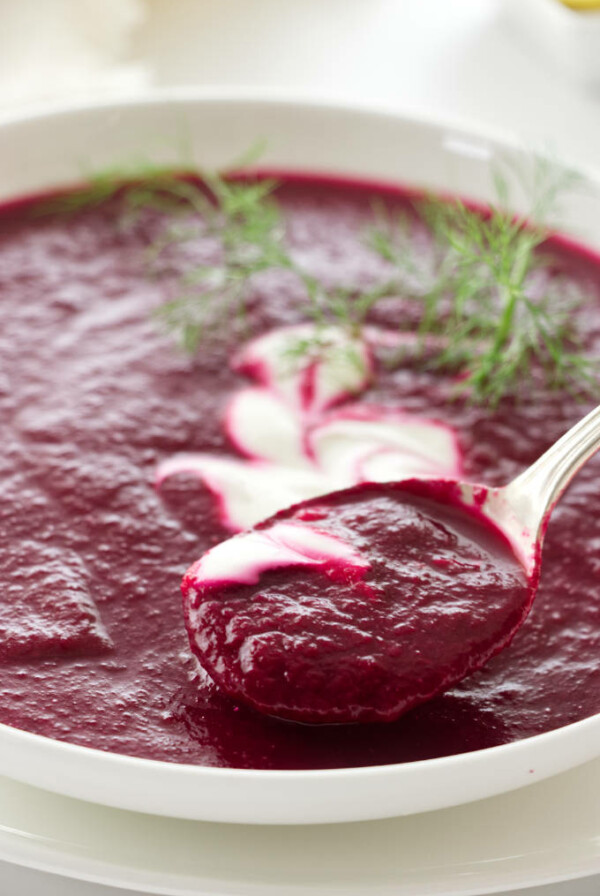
(93, 397)
(404, 592)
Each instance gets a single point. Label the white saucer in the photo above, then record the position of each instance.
(544, 833)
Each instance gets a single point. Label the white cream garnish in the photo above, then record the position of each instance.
(247, 491)
(261, 425)
(243, 558)
(377, 445)
(297, 446)
(343, 368)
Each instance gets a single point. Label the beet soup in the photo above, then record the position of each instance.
(125, 460)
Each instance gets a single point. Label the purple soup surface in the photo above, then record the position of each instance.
(93, 648)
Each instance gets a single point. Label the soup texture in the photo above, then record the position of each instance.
(125, 460)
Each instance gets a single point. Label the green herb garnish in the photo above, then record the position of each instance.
(490, 303)
(247, 226)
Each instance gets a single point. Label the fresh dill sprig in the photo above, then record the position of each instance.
(247, 225)
(239, 214)
(141, 184)
(491, 308)
(491, 296)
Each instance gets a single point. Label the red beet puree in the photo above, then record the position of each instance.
(93, 397)
(357, 606)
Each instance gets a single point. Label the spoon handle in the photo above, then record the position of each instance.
(540, 486)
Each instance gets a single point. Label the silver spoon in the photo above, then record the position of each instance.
(522, 508)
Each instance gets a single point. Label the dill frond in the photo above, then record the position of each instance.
(482, 293)
(487, 294)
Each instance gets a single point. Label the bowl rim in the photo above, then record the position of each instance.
(523, 745)
(524, 749)
(273, 96)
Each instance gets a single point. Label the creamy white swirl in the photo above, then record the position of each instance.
(303, 433)
(243, 558)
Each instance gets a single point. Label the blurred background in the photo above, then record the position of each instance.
(530, 67)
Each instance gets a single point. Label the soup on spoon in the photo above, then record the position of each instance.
(358, 605)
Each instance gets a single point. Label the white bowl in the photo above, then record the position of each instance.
(39, 151)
